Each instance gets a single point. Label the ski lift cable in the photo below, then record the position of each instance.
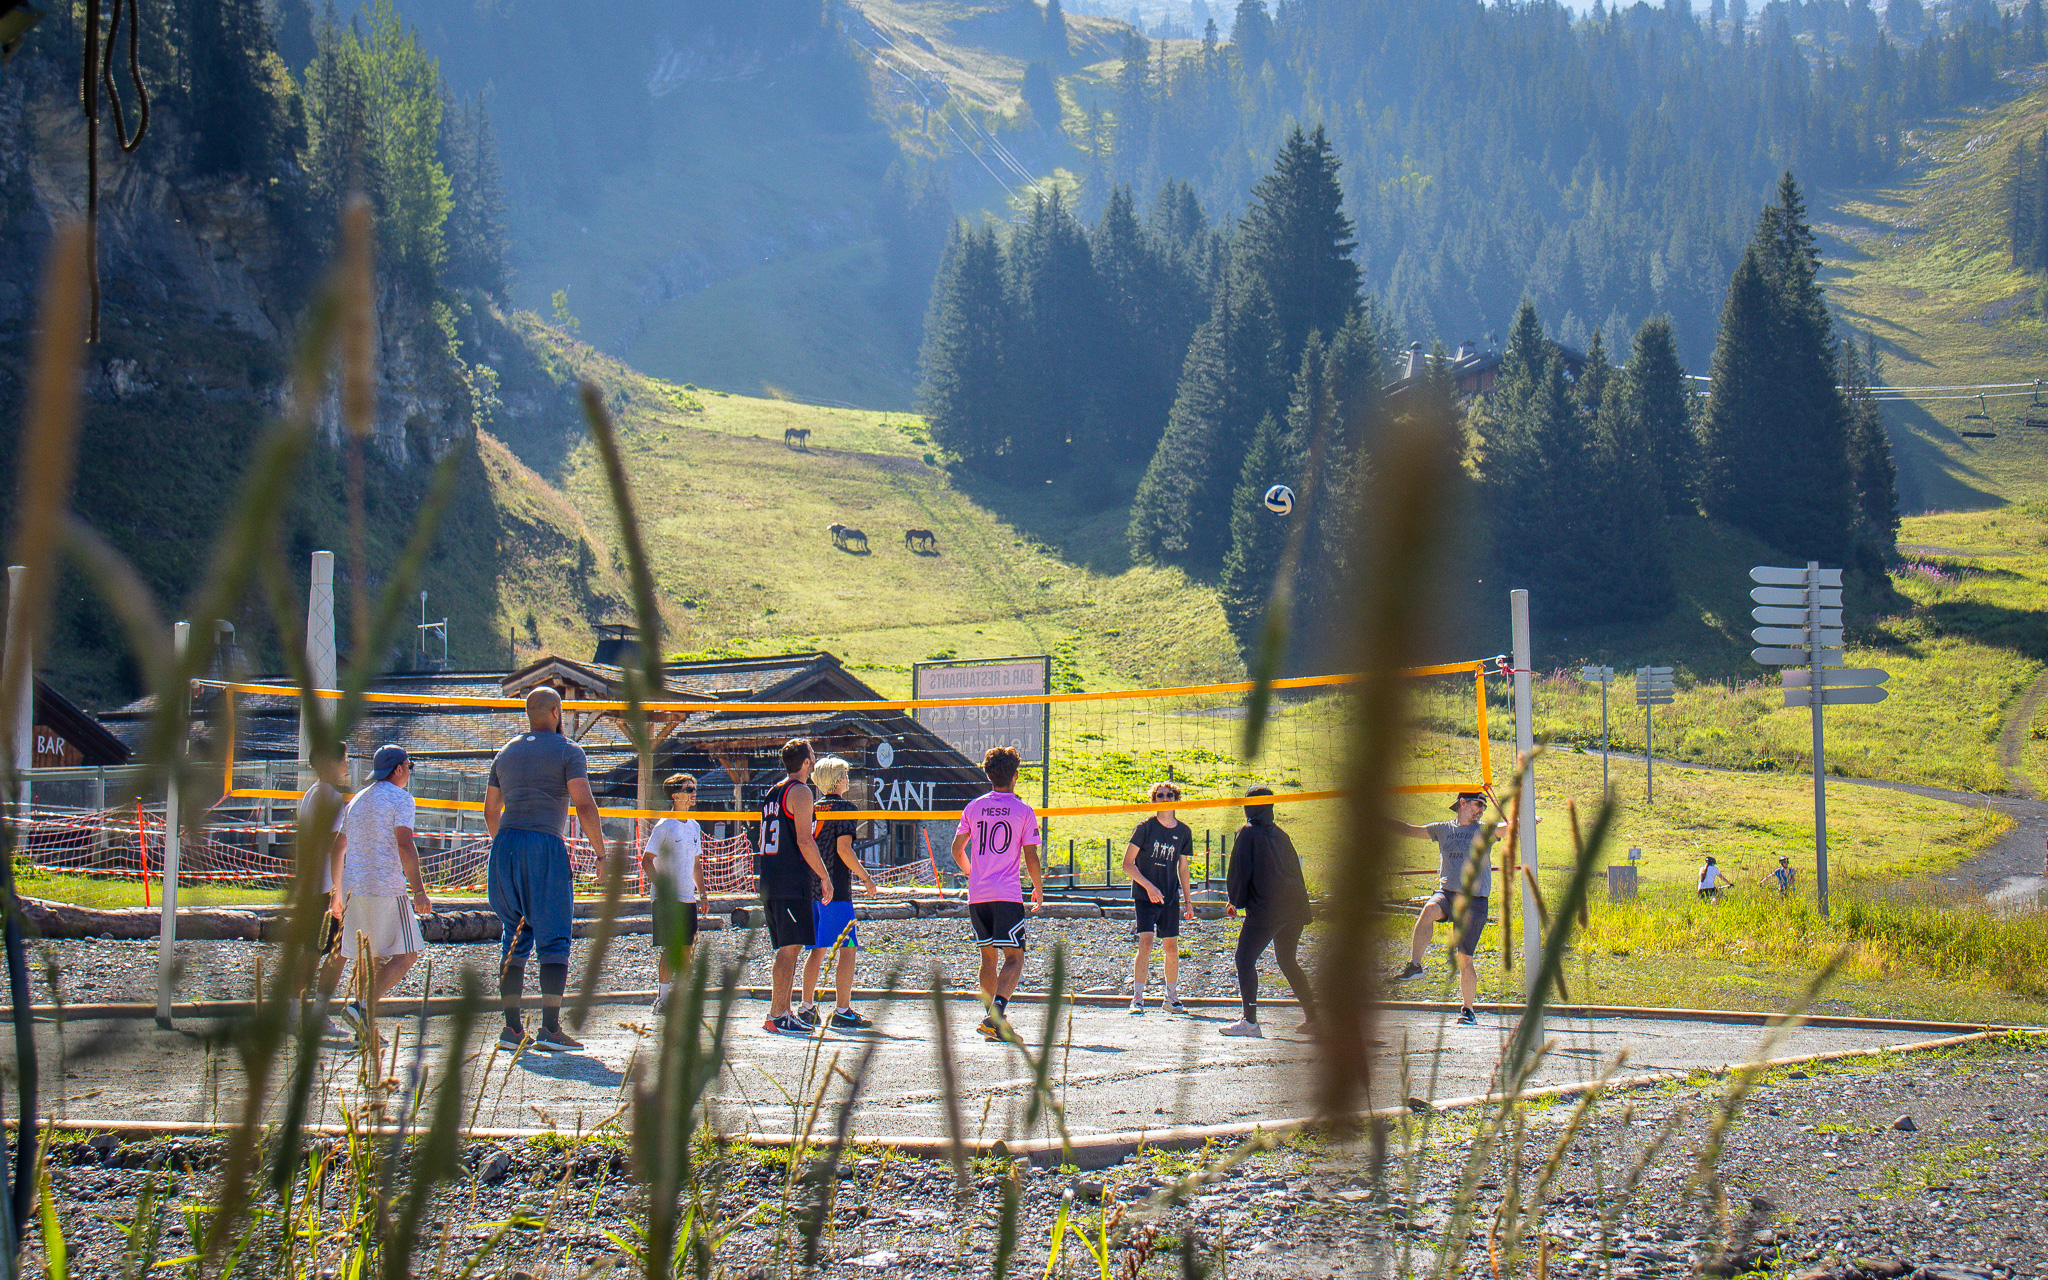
(1002, 152)
(1970, 389)
(965, 145)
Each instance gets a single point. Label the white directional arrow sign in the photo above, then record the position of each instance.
(1788, 657)
(1771, 575)
(1826, 637)
(1831, 697)
(1796, 617)
(1601, 674)
(1846, 676)
(1825, 597)
(1802, 613)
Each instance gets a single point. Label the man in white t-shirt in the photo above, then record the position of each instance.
(382, 889)
(669, 862)
(325, 801)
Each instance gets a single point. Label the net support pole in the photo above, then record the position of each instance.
(167, 937)
(1525, 742)
(319, 639)
(1820, 751)
(21, 715)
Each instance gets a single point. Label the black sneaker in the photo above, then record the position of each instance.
(808, 1015)
(991, 1027)
(786, 1025)
(848, 1020)
(1467, 1018)
(1409, 970)
(555, 1038)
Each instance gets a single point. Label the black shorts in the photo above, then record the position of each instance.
(997, 924)
(330, 939)
(671, 915)
(1466, 915)
(792, 922)
(1161, 919)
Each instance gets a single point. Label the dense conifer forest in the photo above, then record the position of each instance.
(1606, 166)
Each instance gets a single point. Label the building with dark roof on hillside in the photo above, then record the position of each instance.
(1475, 371)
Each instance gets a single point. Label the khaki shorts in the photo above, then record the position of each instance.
(388, 923)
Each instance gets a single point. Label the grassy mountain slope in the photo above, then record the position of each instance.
(1924, 264)
(1919, 262)
(977, 48)
(736, 527)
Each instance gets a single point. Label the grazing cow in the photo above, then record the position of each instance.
(920, 539)
(796, 438)
(845, 535)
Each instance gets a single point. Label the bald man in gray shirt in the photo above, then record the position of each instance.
(534, 780)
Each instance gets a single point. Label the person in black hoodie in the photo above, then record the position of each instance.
(1266, 885)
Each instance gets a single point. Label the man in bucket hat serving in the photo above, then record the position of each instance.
(1454, 901)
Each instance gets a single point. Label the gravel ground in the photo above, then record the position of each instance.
(1928, 1166)
(1098, 955)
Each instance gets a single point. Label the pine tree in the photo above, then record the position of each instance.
(1134, 108)
(1252, 33)
(1576, 468)
(295, 41)
(1258, 538)
(341, 126)
(1054, 39)
(1042, 98)
(1624, 547)
(965, 391)
(1595, 379)
(1659, 401)
(1533, 455)
(233, 114)
(1776, 435)
(1870, 460)
(476, 214)
(404, 88)
(1233, 377)
(1297, 239)
(1058, 334)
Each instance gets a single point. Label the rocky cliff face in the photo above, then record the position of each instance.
(215, 262)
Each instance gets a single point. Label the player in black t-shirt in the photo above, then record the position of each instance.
(1156, 863)
(790, 867)
(835, 925)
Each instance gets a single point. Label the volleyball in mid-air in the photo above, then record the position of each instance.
(1280, 500)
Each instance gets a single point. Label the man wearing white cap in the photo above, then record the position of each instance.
(382, 889)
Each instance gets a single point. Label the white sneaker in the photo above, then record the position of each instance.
(660, 1001)
(1243, 1028)
(1137, 1006)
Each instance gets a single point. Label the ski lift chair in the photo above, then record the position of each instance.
(1983, 414)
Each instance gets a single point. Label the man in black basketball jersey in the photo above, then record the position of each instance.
(790, 865)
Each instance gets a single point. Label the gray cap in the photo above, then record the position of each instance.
(389, 757)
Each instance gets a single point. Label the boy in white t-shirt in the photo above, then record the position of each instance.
(669, 862)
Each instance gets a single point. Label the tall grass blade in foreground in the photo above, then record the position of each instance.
(1399, 539)
(49, 452)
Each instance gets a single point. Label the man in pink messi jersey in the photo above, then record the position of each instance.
(997, 831)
